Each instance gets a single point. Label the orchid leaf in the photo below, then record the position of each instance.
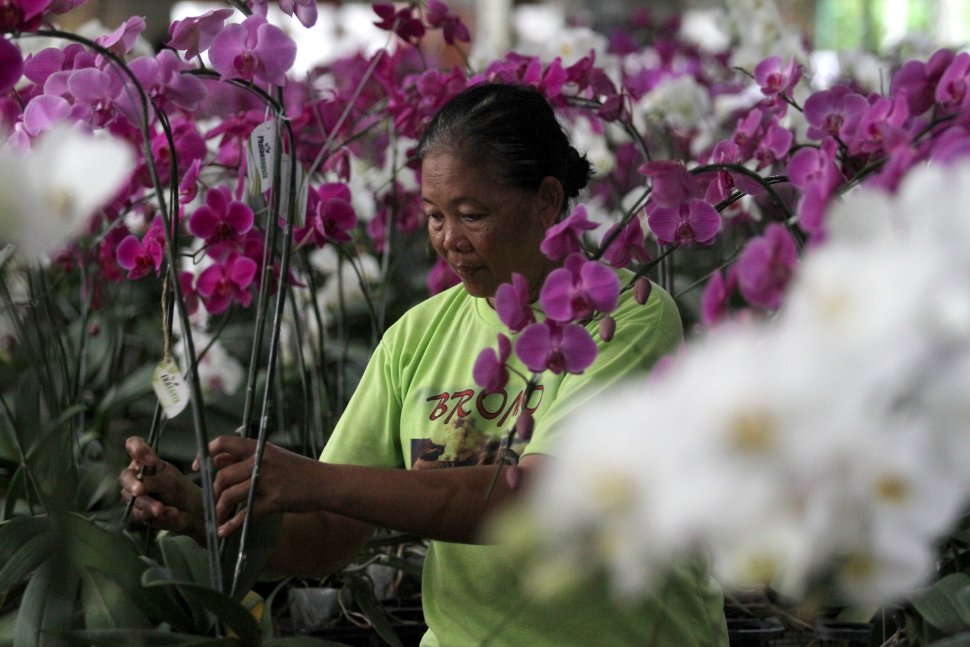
(106, 605)
(147, 638)
(302, 641)
(263, 533)
(960, 640)
(25, 543)
(233, 614)
(942, 605)
(47, 605)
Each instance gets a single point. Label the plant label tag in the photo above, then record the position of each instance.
(171, 389)
(260, 151)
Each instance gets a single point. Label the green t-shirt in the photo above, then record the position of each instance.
(417, 406)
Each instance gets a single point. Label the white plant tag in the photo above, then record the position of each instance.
(260, 151)
(171, 389)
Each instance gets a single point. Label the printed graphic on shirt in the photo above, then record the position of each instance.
(469, 427)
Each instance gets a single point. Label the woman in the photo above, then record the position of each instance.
(496, 172)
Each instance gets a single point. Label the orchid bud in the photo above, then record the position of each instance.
(513, 476)
(641, 290)
(607, 328)
(524, 426)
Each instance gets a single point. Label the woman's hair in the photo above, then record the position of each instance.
(514, 129)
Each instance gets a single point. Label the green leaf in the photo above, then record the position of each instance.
(233, 614)
(184, 558)
(15, 491)
(302, 641)
(8, 626)
(47, 607)
(107, 606)
(960, 640)
(91, 547)
(16, 536)
(942, 606)
(147, 638)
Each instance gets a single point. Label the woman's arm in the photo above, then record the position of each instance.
(445, 504)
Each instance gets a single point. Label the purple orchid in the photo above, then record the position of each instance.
(673, 184)
(717, 294)
(883, 127)
(189, 185)
(766, 266)
(774, 146)
(578, 289)
(441, 277)
(952, 90)
(21, 15)
(917, 80)
(491, 371)
(513, 303)
(220, 220)
(141, 257)
(556, 347)
(304, 10)
(452, 27)
(121, 40)
(222, 283)
(333, 214)
(195, 35)
(162, 78)
(776, 79)
(11, 65)
(627, 246)
(44, 112)
(564, 237)
(835, 112)
(402, 22)
(695, 221)
(815, 172)
(253, 50)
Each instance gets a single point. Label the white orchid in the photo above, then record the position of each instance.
(48, 194)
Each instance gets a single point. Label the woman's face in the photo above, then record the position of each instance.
(484, 228)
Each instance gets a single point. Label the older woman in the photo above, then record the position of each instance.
(496, 172)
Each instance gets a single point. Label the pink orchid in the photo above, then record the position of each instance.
(222, 283)
(121, 40)
(402, 22)
(452, 27)
(673, 184)
(717, 294)
(917, 80)
(162, 78)
(835, 112)
(332, 215)
(883, 127)
(140, 257)
(253, 51)
(220, 220)
(695, 221)
(195, 35)
(513, 304)
(775, 79)
(556, 347)
(305, 10)
(565, 237)
(766, 266)
(774, 146)
(491, 371)
(11, 65)
(441, 277)
(189, 185)
(21, 15)
(952, 90)
(578, 289)
(627, 246)
(815, 172)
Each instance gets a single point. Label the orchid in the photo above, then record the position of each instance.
(11, 65)
(195, 35)
(556, 347)
(766, 266)
(254, 51)
(627, 245)
(513, 303)
(21, 15)
(222, 283)
(221, 221)
(564, 237)
(141, 257)
(578, 289)
(452, 27)
(490, 370)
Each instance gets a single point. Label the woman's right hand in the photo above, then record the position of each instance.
(164, 496)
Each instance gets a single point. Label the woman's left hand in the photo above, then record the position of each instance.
(285, 480)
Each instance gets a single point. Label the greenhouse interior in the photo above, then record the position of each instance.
(468, 323)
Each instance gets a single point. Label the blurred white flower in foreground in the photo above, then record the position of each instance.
(48, 194)
(828, 444)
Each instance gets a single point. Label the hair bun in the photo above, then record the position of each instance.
(577, 172)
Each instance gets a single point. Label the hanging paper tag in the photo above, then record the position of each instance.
(170, 388)
(259, 156)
